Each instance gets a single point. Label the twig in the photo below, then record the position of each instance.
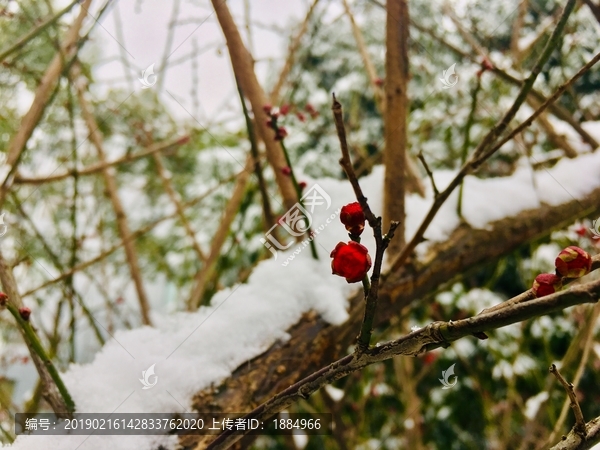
(100, 166)
(176, 199)
(111, 187)
(481, 153)
(583, 360)
(168, 44)
(435, 335)
(294, 45)
(467, 140)
(243, 69)
(264, 195)
(37, 347)
(54, 391)
(579, 420)
(231, 209)
(382, 242)
(54, 258)
(429, 173)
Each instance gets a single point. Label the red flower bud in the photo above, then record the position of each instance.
(581, 231)
(351, 261)
(280, 134)
(286, 170)
(486, 64)
(379, 82)
(24, 312)
(284, 109)
(573, 262)
(267, 108)
(546, 284)
(3, 299)
(311, 110)
(353, 217)
(302, 185)
(301, 117)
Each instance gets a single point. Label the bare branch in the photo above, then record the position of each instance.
(579, 420)
(100, 166)
(231, 210)
(111, 187)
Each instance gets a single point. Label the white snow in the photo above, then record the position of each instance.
(192, 351)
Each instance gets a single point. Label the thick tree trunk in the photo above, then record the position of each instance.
(394, 157)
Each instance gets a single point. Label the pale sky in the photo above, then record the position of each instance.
(143, 41)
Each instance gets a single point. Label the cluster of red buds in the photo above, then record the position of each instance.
(351, 260)
(571, 262)
(287, 171)
(284, 110)
(280, 132)
(24, 312)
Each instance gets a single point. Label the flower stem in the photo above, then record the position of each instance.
(37, 347)
(313, 248)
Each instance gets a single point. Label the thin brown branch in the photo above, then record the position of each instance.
(100, 166)
(515, 36)
(111, 187)
(588, 339)
(574, 441)
(50, 391)
(243, 69)
(176, 199)
(231, 209)
(289, 61)
(559, 141)
(429, 174)
(478, 161)
(579, 420)
(41, 98)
